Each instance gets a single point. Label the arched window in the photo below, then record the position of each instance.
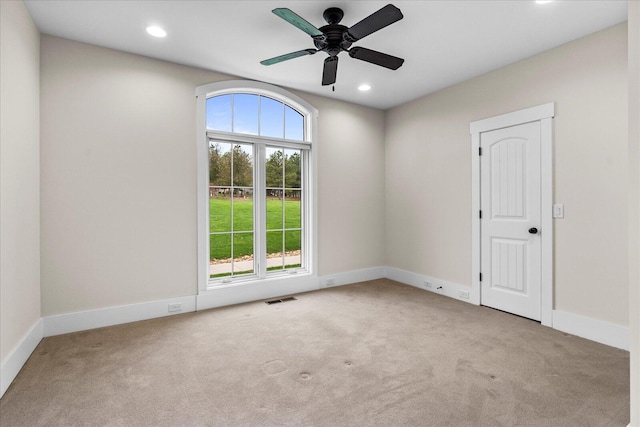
(255, 184)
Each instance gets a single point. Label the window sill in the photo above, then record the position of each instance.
(240, 291)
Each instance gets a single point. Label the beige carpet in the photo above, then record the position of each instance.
(370, 354)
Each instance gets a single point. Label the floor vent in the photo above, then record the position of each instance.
(277, 301)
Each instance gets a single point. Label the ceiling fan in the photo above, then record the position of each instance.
(334, 38)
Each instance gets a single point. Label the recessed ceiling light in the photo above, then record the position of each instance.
(364, 87)
(156, 31)
(543, 1)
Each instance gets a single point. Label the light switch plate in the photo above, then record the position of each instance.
(558, 211)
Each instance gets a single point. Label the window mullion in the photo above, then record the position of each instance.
(284, 135)
(252, 139)
(232, 186)
(259, 114)
(232, 114)
(304, 205)
(284, 225)
(232, 189)
(258, 198)
(284, 122)
(259, 212)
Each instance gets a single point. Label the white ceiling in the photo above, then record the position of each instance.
(442, 42)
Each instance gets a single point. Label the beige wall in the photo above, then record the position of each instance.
(634, 208)
(428, 165)
(118, 179)
(19, 176)
(351, 191)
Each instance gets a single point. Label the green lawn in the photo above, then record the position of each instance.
(220, 221)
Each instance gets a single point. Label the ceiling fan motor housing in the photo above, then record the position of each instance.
(334, 41)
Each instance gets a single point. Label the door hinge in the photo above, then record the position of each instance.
(481, 277)
(480, 214)
(479, 151)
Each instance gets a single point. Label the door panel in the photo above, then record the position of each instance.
(508, 266)
(507, 180)
(510, 203)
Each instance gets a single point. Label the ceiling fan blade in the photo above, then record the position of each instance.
(330, 70)
(378, 58)
(374, 22)
(295, 19)
(288, 56)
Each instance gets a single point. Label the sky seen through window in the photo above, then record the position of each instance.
(254, 115)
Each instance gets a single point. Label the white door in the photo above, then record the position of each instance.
(510, 226)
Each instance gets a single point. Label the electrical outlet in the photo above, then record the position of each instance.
(177, 306)
(463, 294)
(427, 284)
(330, 281)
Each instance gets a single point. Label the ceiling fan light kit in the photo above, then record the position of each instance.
(334, 38)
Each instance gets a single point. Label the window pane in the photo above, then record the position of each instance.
(292, 240)
(243, 165)
(245, 113)
(294, 124)
(274, 211)
(242, 190)
(219, 214)
(219, 164)
(274, 168)
(220, 247)
(292, 169)
(293, 245)
(219, 186)
(275, 264)
(220, 255)
(242, 253)
(243, 209)
(271, 118)
(274, 243)
(292, 212)
(219, 113)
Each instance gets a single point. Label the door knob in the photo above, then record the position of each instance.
(533, 230)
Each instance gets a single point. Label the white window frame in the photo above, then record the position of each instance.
(247, 288)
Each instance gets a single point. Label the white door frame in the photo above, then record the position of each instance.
(544, 114)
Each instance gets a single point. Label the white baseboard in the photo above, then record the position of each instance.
(437, 286)
(585, 327)
(355, 276)
(91, 319)
(223, 295)
(595, 330)
(18, 357)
